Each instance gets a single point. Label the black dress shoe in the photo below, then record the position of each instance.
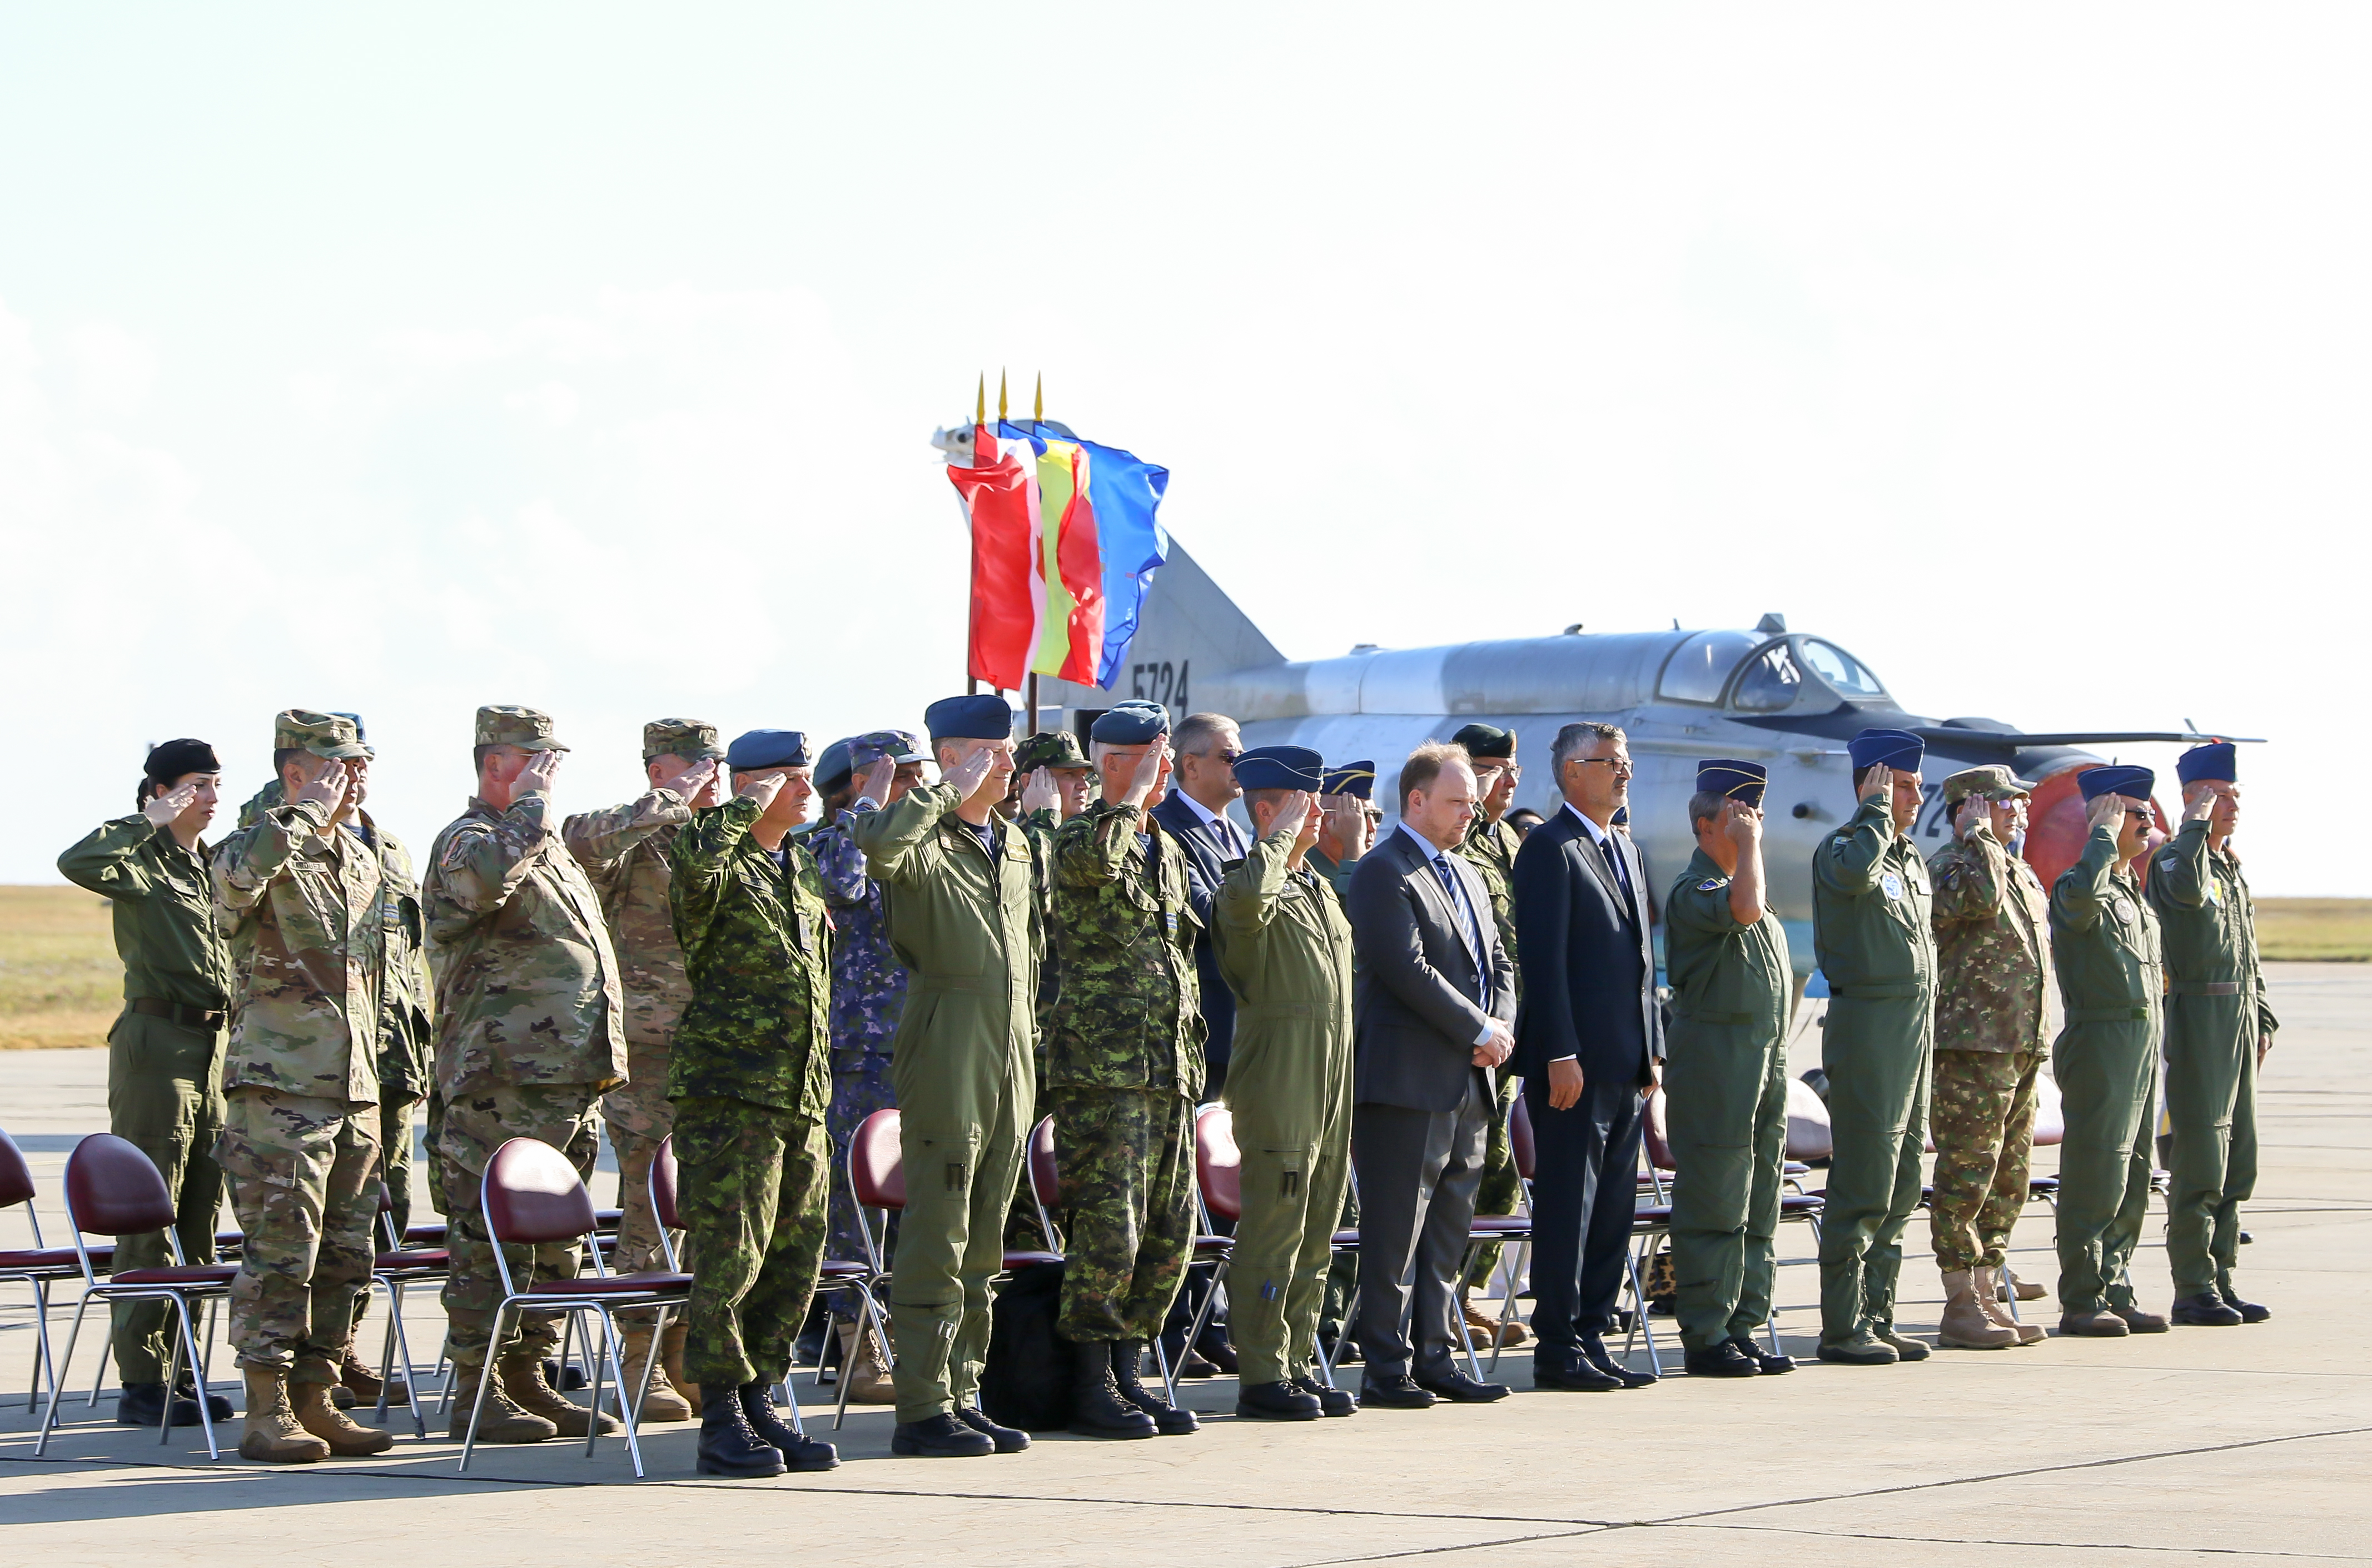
(1593, 1350)
(1459, 1390)
(1332, 1402)
(1400, 1393)
(1342, 1350)
(799, 1453)
(1008, 1439)
(1277, 1402)
(1724, 1360)
(942, 1436)
(2205, 1310)
(1579, 1378)
(1769, 1362)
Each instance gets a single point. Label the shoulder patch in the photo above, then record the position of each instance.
(2167, 861)
(1709, 884)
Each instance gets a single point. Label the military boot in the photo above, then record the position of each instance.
(1965, 1324)
(1097, 1407)
(727, 1446)
(2205, 1310)
(523, 1381)
(502, 1420)
(272, 1436)
(366, 1385)
(2138, 1321)
(1862, 1348)
(671, 1358)
(2093, 1323)
(143, 1404)
(660, 1400)
(1905, 1347)
(1128, 1361)
(2249, 1311)
(2008, 1284)
(1992, 1297)
(800, 1453)
(318, 1415)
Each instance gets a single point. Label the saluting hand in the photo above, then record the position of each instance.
(326, 789)
(1971, 813)
(2199, 799)
(162, 808)
(1880, 784)
(1743, 824)
(536, 777)
(693, 783)
(1292, 815)
(760, 787)
(1040, 792)
(2108, 811)
(1147, 773)
(966, 775)
(880, 774)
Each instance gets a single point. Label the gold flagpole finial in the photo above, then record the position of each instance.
(1000, 397)
(980, 402)
(1040, 415)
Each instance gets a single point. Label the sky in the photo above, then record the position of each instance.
(587, 356)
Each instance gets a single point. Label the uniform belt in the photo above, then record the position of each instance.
(2203, 988)
(1699, 1015)
(187, 1016)
(1879, 993)
(1252, 1012)
(2108, 1015)
(957, 982)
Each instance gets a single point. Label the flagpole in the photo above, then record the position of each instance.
(979, 418)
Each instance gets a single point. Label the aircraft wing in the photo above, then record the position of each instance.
(2010, 740)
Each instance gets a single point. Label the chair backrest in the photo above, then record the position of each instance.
(114, 1189)
(1045, 1180)
(2049, 1119)
(1218, 1163)
(1520, 1146)
(1659, 1143)
(1807, 1123)
(15, 1176)
(532, 1194)
(663, 1184)
(877, 1168)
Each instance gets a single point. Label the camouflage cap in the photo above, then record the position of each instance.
(1049, 749)
(897, 745)
(1995, 783)
(362, 735)
(500, 724)
(324, 734)
(692, 739)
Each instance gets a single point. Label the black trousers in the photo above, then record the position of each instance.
(1585, 1191)
(1418, 1171)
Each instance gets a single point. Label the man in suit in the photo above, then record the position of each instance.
(1434, 992)
(1589, 1040)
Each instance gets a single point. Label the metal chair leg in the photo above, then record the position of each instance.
(485, 1372)
(205, 1416)
(1639, 1316)
(1161, 1360)
(57, 1386)
(43, 1364)
(410, 1376)
(614, 1352)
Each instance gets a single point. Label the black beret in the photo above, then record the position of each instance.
(1485, 741)
(175, 758)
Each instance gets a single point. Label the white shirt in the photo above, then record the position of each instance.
(1223, 830)
(1473, 933)
(1603, 838)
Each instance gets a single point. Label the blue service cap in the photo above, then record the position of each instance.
(984, 716)
(1354, 779)
(762, 748)
(2219, 760)
(2113, 779)
(1133, 723)
(1737, 780)
(1897, 748)
(1281, 767)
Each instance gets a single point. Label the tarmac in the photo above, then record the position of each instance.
(2234, 1446)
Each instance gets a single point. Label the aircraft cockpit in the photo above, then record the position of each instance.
(1752, 672)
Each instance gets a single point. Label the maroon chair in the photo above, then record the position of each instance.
(531, 1197)
(38, 1265)
(1219, 1197)
(114, 1189)
(394, 1267)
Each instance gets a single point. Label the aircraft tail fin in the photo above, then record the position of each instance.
(1188, 629)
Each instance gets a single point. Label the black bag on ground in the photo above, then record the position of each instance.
(1027, 1382)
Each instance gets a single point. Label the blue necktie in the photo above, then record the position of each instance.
(1614, 859)
(1465, 921)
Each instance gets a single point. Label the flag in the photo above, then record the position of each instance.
(1001, 502)
(1098, 559)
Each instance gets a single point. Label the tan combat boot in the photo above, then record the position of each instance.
(1990, 1297)
(660, 1403)
(2009, 1281)
(272, 1435)
(502, 1420)
(523, 1381)
(671, 1358)
(318, 1415)
(869, 1379)
(1964, 1325)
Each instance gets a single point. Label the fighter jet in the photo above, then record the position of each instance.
(1789, 700)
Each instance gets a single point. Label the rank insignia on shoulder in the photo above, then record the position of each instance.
(1708, 884)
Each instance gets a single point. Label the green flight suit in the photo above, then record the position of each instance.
(1726, 1099)
(2104, 942)
(164, 1070)
(1285, 947)
(2215, 1014)
(969, 929)
(1873, 932)
(1343, 1277)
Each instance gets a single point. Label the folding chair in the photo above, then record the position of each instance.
(1651, 1218)
(531, 1197)
(112, 1189)
(1483, 1229)
(393, 1267)
(37, 1265)
(1218, 1195)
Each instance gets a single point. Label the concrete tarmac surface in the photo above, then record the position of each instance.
(2232, 1445)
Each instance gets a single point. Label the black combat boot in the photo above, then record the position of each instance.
(941, 1436)
(143, 1404)
(1097, 1409)
(1127, 1358)
(727, 1446)
(799, 1453)
(1008, 1439)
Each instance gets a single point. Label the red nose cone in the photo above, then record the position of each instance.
(2057, 823)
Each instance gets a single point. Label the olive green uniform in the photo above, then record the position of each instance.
(968, 928)
(164, 1054)
(1872, 931)
(2104, 942)
(1726, 1099)
(1285, 947)
(2215, 1014)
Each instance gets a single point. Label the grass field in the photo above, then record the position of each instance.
(59, 983)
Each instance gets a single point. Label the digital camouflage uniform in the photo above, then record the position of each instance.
(750, 1078)
(529, 1029)
(300, 1141)
(2104, 945)
(164, 1067)
(2215, 1014)
(1490, 848)
(1872, 928)
(868, 995)
(967, 924)
(1124, 1071)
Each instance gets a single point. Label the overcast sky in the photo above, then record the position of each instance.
(587, 356)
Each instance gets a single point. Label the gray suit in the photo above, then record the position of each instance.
(1426, 993)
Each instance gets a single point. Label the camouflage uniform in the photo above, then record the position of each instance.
(164, 1067)
(528, 1025)
(750, 1080)
(1490, 848)
(1124, 1069)
(1992, 964)
(301, 904)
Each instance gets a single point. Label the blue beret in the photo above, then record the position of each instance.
(763, 748)
(1132, 722)
(1729, 776)
(1354, 779)
(1281, 767)
(2115, 780)
(833, 765)
(1622, 816)
(1897, 748)
(2217, 760)
(981, 718)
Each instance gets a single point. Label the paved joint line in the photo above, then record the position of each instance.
(2058, 1545)
(1461, 1546)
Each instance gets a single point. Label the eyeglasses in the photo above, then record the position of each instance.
(1620, 765)
(1227, 755)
